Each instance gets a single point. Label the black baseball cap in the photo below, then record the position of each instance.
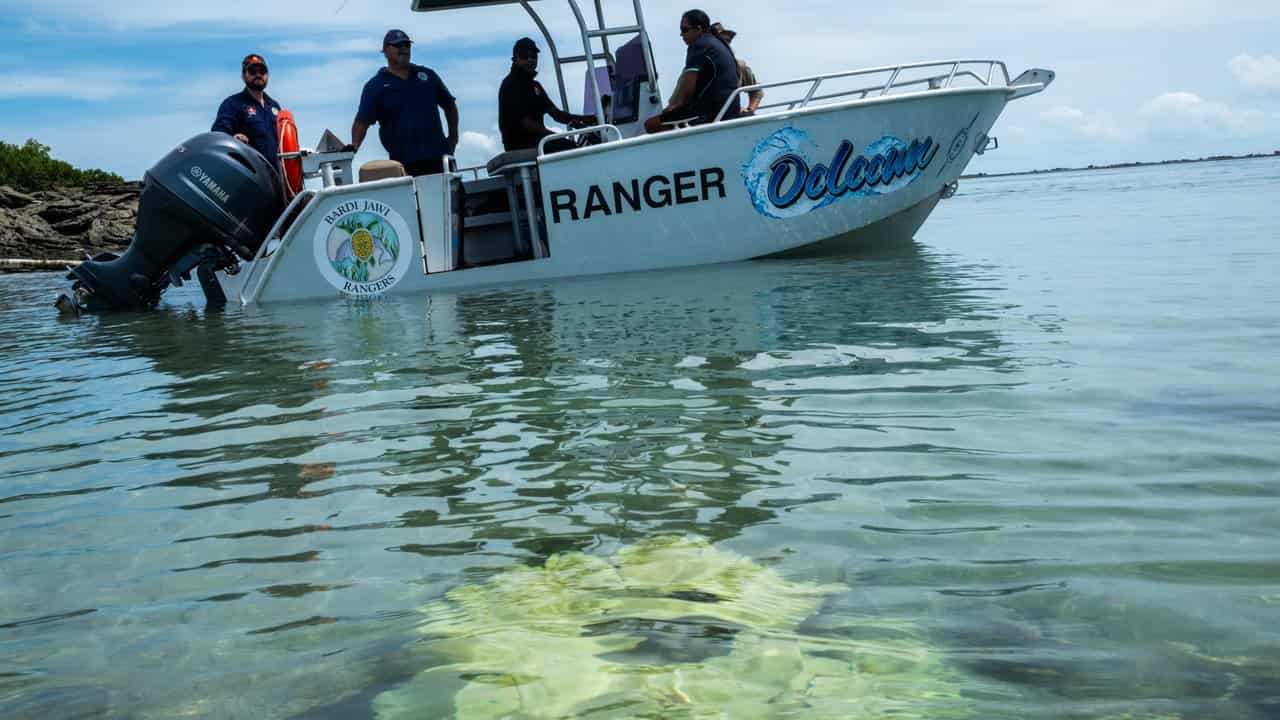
(252, 59)
(395, 37)
(524, 47)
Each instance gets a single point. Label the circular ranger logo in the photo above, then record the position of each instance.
(423, 76)
(362, 247)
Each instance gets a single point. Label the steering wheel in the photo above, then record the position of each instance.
(588, 139)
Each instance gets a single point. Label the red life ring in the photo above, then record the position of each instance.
(287, 130)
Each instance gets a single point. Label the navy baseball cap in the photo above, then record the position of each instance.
(252, 59)
(395, 37)
(524, 47)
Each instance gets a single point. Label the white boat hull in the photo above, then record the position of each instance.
(717, 193)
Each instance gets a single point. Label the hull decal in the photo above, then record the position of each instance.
(783, 180)
(958, 143)
(636, 195)
(362, 247)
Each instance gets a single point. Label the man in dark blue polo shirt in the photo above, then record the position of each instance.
(405, 100)
(250, 115)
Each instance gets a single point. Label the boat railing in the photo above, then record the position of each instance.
(256, 271)
(605, 129)
(937, 75)
(259, 270)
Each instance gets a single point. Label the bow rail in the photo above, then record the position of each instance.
(936, 75)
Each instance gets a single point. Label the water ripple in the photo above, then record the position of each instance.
(1038, 446)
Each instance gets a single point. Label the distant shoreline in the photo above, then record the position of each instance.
(1117, 166)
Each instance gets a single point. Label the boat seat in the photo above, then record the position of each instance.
(517, 171)
(380, 170)
(502, 162)
(497, 218)
(631, 73)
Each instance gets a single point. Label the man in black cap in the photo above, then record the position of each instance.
(522, 102)
(250, 115)
(405, 100)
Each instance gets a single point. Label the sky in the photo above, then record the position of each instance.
(117, 85)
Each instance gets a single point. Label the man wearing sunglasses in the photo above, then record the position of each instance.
(709, 77)
(405, 101)
(250, 115)
(523, 102)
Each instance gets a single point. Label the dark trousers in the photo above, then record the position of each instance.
(430, 166)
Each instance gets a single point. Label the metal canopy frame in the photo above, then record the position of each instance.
(588, 56)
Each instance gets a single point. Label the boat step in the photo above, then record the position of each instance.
(498, 218)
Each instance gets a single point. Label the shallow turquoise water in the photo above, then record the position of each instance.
(1042, 437)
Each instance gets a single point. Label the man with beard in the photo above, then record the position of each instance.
(405, 101)
(250, 115)
(522, 103)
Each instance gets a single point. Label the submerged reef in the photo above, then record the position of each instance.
(668, 627)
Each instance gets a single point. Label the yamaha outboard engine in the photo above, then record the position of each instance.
(209, 200)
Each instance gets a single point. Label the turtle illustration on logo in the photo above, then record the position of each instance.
(363, 247)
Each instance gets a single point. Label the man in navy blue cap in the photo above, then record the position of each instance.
(522, 103)
(250, 115)
(405, 101)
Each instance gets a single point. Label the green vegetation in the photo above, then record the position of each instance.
(30, 167)
(1115, 166)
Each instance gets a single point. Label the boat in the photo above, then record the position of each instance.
(829, 157)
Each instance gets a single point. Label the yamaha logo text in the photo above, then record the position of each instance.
(203, 178)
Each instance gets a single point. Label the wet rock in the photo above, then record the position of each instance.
(77, 224)
(12, 199)
(67, 223)
(61, 210)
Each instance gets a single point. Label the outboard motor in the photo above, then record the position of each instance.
(211, 199)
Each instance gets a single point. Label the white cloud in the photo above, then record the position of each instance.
(329, 46)
(476, 78)
(205, 91)
(1065, 113)
(1089, 14)
(74, 83)
(127, 146)
(1257, 73)
(1181, 115)
(322, 53)
(333, 83)
(1092, 125)
(358, 20)
(475, 148)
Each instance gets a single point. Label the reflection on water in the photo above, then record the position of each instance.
(253, 513)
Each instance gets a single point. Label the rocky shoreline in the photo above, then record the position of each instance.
(44, 230)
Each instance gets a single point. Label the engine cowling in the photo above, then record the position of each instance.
(211, 197)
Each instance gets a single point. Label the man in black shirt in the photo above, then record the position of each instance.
(709, 77)
(522, 102)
